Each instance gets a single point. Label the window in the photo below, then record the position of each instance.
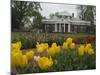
(58, 27)
(82, 28)
(53, 27)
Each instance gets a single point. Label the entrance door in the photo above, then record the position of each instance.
(62, 27)
(66, 27)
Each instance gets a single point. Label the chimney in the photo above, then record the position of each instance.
(72, 15)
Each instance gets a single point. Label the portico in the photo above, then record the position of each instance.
(58, 27)
(61, 27)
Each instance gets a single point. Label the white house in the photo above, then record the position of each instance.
(65, 22)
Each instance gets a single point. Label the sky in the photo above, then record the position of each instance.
(48, 8)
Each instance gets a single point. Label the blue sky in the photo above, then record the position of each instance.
(49, 8)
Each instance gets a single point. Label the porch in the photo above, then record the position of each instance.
(57, 27)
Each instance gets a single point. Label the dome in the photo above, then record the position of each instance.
(64, 13)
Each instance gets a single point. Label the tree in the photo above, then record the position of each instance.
(37, 21)
(88, 13)
(21, 10)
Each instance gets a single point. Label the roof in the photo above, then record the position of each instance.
(79, 22)
(53, 21)
(50, 21)
(75, 19)
(73, 22)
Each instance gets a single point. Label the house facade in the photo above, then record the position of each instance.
(65, 22)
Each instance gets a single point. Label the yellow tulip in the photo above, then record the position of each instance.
(57, 49)
(16, 51)
(72, 45)
(69, 40)
(90, 51)
(16, 58)
(46, 46)
(53, 50)
(88, 46)
(30, 54)
(40, 49)
(65, 45)
(54, 45)
(81, 50)
(16, 46)
(19, 43)
(24, 61)
(45, 63)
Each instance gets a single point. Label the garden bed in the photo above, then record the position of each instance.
(29, 39)
(44, 58)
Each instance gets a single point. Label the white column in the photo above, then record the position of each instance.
(64, 27)
(59, 27)
(69, 27)
(55, 27)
